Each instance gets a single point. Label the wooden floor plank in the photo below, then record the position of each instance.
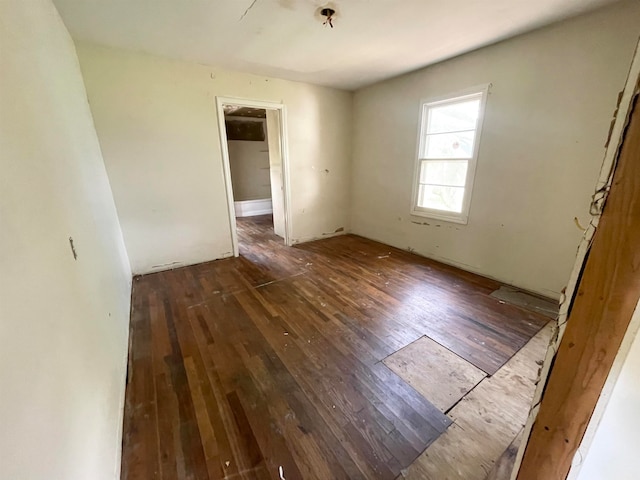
(274, 359)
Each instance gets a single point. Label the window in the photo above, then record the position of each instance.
(447, 151)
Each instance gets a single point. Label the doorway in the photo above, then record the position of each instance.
(252, 137)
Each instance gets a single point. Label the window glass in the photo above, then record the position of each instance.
(453, 117)
(441, 198)
(450, 145)
(451, 173)
(447, 156)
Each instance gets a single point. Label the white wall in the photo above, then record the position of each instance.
(249, 164)
(547, 117)
(156, 120)
(64, 322)
(613, 449)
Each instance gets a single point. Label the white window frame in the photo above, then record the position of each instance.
(425, 105)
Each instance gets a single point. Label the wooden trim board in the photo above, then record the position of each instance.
(252, 208)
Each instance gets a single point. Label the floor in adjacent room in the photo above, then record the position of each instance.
(340, 358)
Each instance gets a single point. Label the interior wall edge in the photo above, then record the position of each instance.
(65, 288)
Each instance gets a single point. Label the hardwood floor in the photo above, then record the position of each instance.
(270, 362)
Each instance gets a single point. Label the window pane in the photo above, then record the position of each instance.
(441, 198)
(454, 117)
(449, 145)
(442, 172)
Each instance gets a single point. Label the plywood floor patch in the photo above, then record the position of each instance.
(504, 466)
(486, 421)
(438, 374)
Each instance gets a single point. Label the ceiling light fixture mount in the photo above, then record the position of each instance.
(328, 13)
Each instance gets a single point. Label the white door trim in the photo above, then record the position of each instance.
(281, 108)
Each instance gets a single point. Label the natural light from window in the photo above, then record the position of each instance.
(446, 155)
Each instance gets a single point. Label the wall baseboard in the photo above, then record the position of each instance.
(297, 241)
(250, 208)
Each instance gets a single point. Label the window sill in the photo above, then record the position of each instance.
(444, 217)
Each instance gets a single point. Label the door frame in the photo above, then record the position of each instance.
(226, 166)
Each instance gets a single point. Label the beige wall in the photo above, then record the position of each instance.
(249, 164)
(63, 322)
(547, 117)
(156, 120)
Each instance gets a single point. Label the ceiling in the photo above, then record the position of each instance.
(372, 39)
